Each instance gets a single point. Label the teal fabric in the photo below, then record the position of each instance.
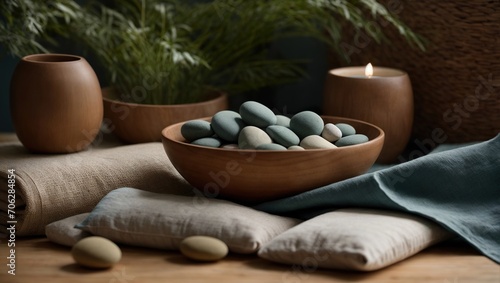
(458, 188)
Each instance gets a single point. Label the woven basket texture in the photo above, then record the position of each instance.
(456, 81)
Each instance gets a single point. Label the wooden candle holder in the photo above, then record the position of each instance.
(384, 99)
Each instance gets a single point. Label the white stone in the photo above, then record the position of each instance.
(316, 142)
(296, 147)
(251, 137)
(331, 132)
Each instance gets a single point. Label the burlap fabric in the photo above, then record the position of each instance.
(53, 187)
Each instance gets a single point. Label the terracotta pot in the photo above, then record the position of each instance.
(55, 102)
(139, 123)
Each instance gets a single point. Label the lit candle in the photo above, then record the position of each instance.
(366, 72)
(378, 95)
(369, 70)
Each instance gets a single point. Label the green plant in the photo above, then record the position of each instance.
(150, 57)
(29, 26)
(174, 51)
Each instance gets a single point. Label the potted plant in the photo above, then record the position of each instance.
(177, 52)
(156, 72)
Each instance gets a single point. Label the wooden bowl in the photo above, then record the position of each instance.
(261, 175)
(140, 123)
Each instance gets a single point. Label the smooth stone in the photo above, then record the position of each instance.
(251, 137)
(315, 142)
(306, 123)
(346, 129)
(296, 147)
(230, 146)
(331, 132)
(282, 120)
(203, 248)
(227, 125)
(270, 146)
(257, 114)
(196, 129)
(282, 135)
(96, 252)
(352, 140)
(209, 142)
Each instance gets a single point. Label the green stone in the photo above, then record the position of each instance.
(282, 135)
(227, 125)
(282, 120)
(209, 142)
(346, 129)
(306, 123)
(257, 114)
(271, 146)
(351, 140)
(196, 129)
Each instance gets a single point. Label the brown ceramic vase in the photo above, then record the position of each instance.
(55, 103)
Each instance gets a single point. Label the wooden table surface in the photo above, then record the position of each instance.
(39, 260)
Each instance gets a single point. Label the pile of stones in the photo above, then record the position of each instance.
(257, 127)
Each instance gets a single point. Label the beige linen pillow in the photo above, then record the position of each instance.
(141, 218)
(63, 232)
(356, 239)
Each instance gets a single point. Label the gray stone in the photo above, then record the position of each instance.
(251, 137)
(209, 142)
(351, 140)
(306, 123)
(282, 135)
(331, 132)
(315, 142)
(196, 129)
(257, 114)
(227, 125)
(346, 129)
(270, 146)
(296, 147)
(282, 120)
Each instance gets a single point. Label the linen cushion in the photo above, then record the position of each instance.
(141, 218)
(354, 239)
(63, 232)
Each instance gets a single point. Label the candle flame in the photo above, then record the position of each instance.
(369, 70)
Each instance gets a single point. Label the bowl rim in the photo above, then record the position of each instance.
(381, 135)
(107, 97)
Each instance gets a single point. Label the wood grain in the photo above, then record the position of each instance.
(38, 260)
